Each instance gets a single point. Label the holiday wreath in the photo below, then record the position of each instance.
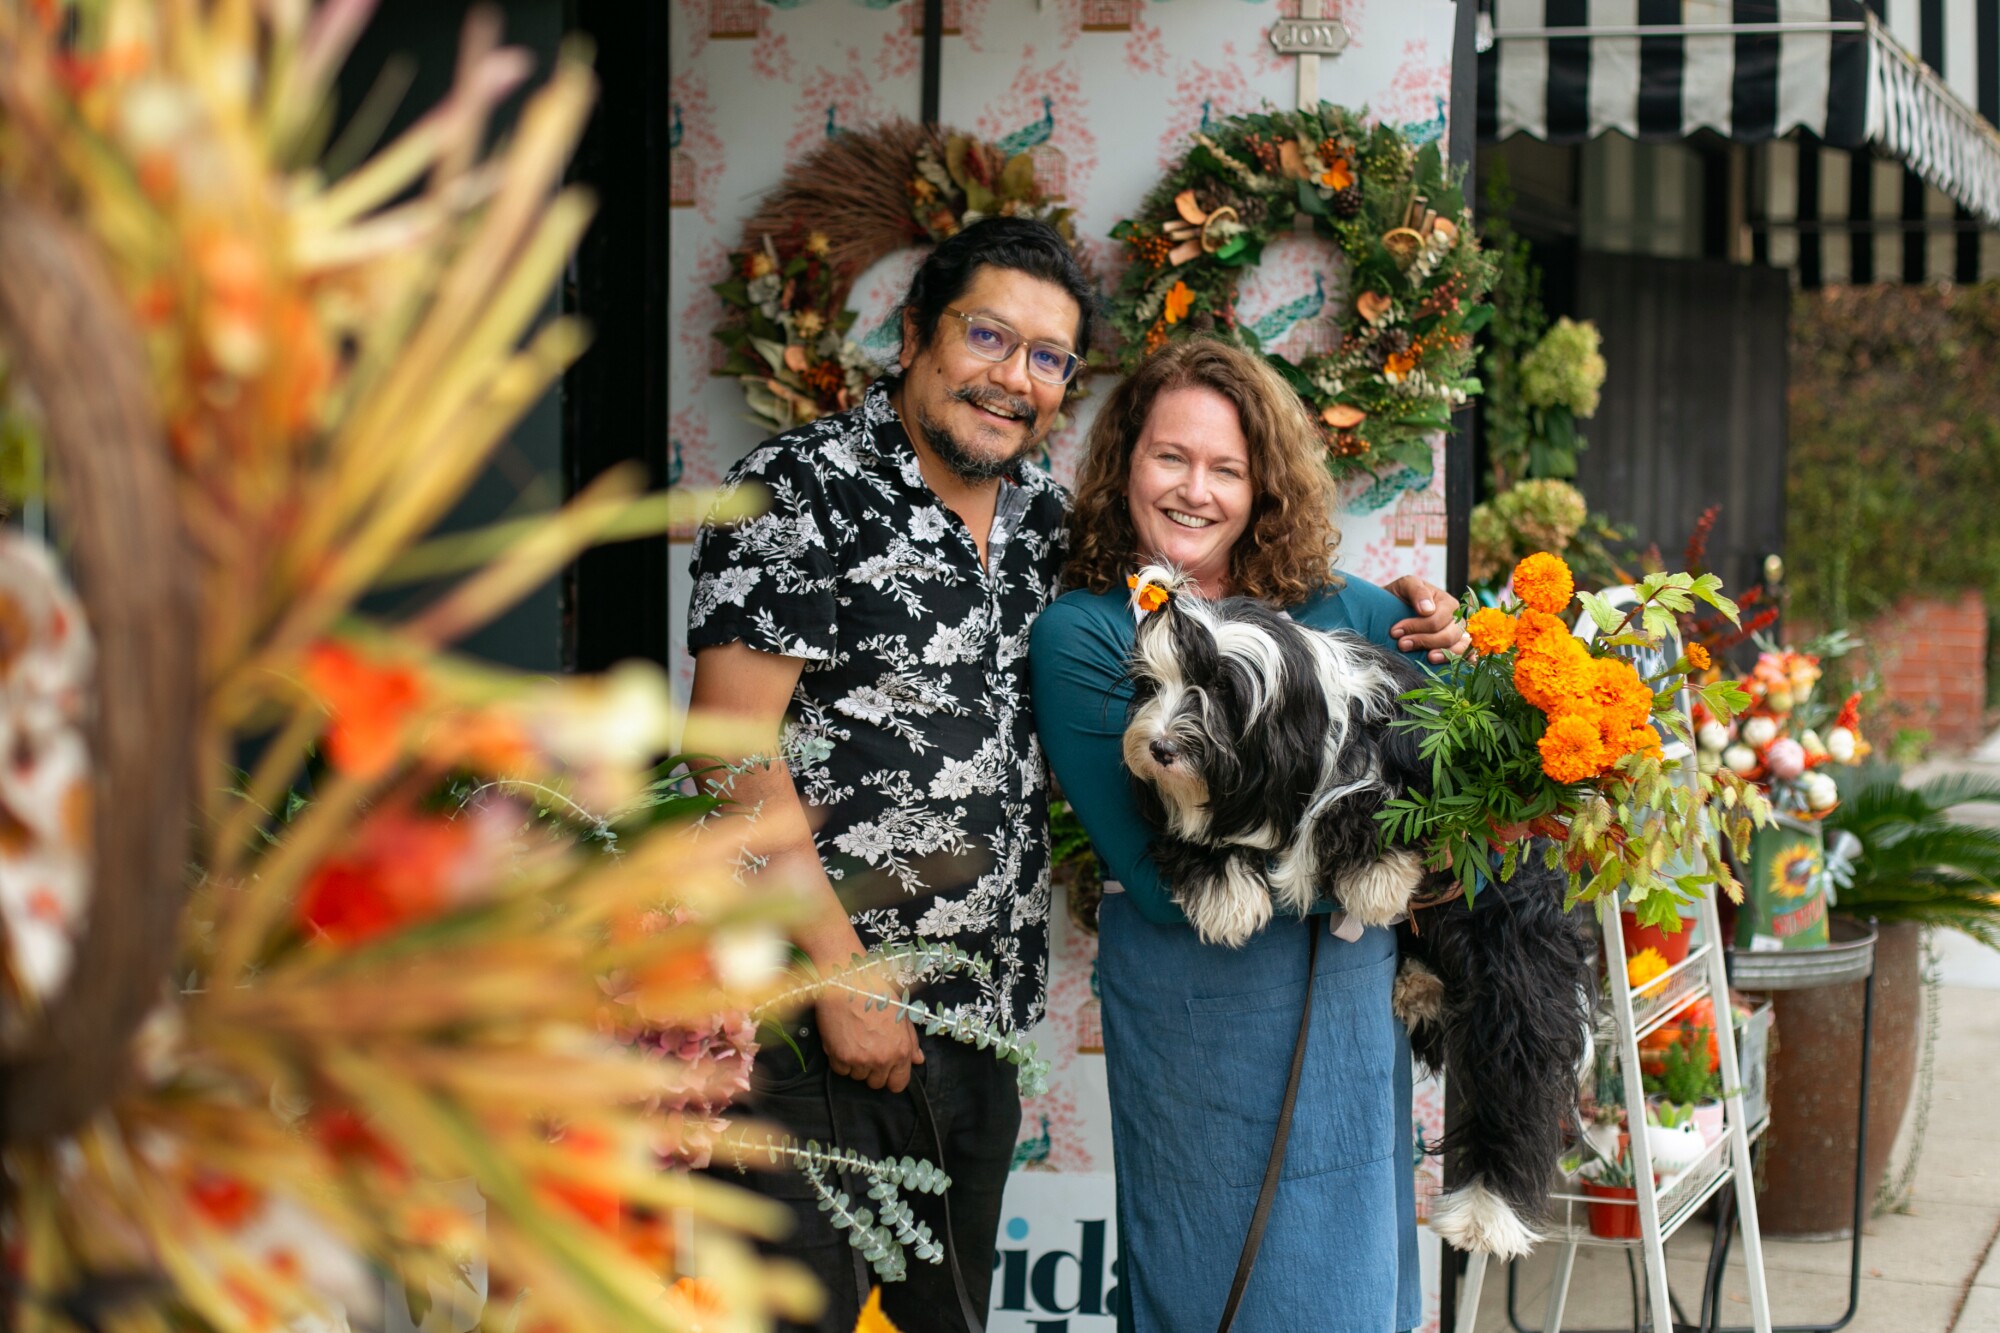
(860, 197)
(1415, 275)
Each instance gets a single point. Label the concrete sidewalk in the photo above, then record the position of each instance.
(1930, 1269)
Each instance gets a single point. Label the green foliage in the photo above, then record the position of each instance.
(1685, 1078)
(1919, 864)
(1894, 448)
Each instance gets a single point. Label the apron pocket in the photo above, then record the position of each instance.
(1243, 1050)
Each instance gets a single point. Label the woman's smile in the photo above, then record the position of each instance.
(1190, 492)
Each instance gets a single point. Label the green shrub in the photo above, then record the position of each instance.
(1894, 449)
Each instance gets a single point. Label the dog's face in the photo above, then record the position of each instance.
(1242, 719)
(1217, 720)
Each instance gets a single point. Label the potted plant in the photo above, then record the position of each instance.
(1691, 1077)
(1916, 865)
(1607, 1183)
(1672, 1137)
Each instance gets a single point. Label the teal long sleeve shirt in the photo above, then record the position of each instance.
(1076, 663)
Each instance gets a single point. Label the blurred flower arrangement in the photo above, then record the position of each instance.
(1536, 733)
(1776, 741)
(1400, 357)
(860, 197)
(427, 939)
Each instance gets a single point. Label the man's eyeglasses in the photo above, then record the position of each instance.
(993, 340)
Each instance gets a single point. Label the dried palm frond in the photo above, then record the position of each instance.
(381, 994)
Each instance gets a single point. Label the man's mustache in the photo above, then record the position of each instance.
(994, 399)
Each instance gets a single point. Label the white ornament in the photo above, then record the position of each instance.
(1759, 732)
(1741, 759)
(1821, 793)
(1840, 744)
(1713, 736)
(1786, 759)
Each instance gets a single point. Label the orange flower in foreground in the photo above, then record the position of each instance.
(1492, 631)
(223, 1200)
(700, 1295)
(872, 1319)
(1398, 364)
(402, 867)
(1698, 657)
(1543, 583)
(1571, 749)
(1531, 627)
(371, 705)
(1179, 297)
(1338, 174)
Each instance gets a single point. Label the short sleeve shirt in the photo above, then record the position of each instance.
(911, 737)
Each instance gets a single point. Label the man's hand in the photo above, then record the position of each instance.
(868, 1042)
(1433, 627)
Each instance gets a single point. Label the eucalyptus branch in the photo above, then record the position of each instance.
(881, 1242)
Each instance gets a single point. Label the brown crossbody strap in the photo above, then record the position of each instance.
(1268, 1193)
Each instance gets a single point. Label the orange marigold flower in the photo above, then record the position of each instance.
(1642, 967)
(1179, 297)
(1571, 749)
(371, 705)
(1553, 674)
(1492, 631)
(1543, 583)
(1531, 626)
(1615, 688)
(1698, 657)
(1152, 597)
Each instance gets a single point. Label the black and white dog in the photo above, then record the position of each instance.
(1262, 750)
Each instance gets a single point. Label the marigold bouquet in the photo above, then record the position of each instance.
(1538, 733)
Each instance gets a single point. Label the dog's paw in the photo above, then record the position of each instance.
(1232, 909)
(1418, 995)
(1473, 1217)
(1380, 895)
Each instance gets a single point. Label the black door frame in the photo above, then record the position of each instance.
(616, 602)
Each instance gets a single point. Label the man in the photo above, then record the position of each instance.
(881, 608)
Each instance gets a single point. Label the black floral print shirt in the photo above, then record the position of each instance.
(910, 735)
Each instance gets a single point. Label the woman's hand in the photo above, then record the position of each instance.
(1433, 627)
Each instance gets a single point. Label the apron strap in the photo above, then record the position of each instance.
(1268, 1193)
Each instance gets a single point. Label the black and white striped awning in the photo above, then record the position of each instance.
(1749, 70)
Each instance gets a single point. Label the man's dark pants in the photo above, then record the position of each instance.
(978, 1112)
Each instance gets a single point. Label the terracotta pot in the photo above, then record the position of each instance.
(1808, 1175)
(1672, 947)
(1613, 1221)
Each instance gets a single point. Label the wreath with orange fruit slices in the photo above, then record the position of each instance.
(1400, 356)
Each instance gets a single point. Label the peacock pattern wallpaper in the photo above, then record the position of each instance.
(1103, 94)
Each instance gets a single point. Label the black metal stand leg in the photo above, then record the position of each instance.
(1860, 1194)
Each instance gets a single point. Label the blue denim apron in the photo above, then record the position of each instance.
(1197, 1043)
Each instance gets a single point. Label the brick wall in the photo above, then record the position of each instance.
(1931, 652)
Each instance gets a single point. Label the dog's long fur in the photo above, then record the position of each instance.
(1261, 751)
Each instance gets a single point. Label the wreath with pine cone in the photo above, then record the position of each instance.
(860, 197)
(1401, 355)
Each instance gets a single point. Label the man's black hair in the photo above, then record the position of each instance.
(1021, 244)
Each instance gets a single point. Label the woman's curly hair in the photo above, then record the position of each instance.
(1286, 553)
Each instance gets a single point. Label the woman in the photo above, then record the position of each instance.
(1206, 459)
